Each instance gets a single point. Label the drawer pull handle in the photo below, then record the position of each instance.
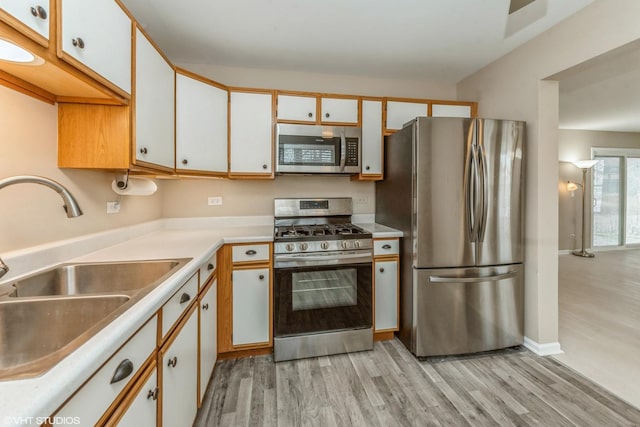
(250, 252)
(153, 394)
(172, 362)
(184, 298)
(261, 277)
(205, 306)
(78, 42)
(124, 369)
(381, 270)
(210, 267)
(386, 246)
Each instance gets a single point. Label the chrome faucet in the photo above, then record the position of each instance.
(70, 205)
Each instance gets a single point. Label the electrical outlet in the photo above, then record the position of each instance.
(361, 200)
(214, 201)
(113, 207)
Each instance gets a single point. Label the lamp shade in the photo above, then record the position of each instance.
(585, 164)
(572, 186)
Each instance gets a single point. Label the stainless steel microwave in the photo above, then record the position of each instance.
(318, 149)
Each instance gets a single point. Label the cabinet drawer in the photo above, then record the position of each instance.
(173, 309)
(244, 253)
(95, 397)
(207, 269)
(385, 247)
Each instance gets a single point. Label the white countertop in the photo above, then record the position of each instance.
(23, 400)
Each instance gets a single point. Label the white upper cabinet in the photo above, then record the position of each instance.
(251, 133)
(339, 110)
(201, 126)
(97, 33)
(35, 15)
(372, 142)
(446, 110)
(399, 113)
(297, 108)
(154, 105)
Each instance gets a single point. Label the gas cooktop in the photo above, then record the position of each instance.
(322, 231)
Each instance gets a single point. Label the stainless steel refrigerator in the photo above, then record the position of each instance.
(455, 188)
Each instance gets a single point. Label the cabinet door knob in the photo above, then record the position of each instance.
(386, 246)
(261, 277)
(381, 270)
(144, 150)
(39, 12)
(367, 167)
(172, 362)
(78, 42)
(264, 166)
(210, 267)
(184, 298)
(250, 252)
(185, 161)
(205, 306)
(153, 394)
(327, 115)
(310, 114)
(124, 369)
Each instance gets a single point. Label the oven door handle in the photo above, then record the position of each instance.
(334, 259)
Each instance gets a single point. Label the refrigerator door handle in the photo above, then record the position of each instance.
(484, 193)
(469, 184)
(495, 278)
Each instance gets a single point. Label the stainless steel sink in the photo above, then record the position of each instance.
(46, 316)
(38, 332)
(95, 278)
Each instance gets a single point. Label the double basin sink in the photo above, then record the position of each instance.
(46, 316)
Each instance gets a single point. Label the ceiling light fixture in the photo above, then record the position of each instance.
(11, 52)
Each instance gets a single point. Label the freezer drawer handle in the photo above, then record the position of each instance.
(445, 279)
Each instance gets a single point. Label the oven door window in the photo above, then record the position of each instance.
(324, 289)
(322, 298)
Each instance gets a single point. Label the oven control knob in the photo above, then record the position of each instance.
(304, 246)
(324, 245)
(345, 244)
(290, 247)
(356, 244)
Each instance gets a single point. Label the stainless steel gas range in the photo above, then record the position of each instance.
(322, 279)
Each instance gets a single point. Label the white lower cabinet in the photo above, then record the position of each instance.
(178, 362)
(208, 336)
(143, 408)
(386, 291)
(250, 310)
(94, 398)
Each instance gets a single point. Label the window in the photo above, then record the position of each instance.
(616, 197)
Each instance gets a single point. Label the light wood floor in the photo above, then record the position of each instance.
(599, 319)
(389, 387)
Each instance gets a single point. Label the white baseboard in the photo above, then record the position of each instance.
(546, 349)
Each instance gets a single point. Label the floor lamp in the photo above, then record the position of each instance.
(585, 165)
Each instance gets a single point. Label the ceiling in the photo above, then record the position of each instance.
(441, 40)
(604, 93)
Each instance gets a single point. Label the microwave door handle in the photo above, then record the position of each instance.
(343, 150)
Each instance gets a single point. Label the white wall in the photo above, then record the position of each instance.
(515, 87)
(576, 145)
(31, 214)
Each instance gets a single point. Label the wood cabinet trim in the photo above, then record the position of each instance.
(200, 78)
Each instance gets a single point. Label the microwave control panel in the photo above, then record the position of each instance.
(351, 159)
